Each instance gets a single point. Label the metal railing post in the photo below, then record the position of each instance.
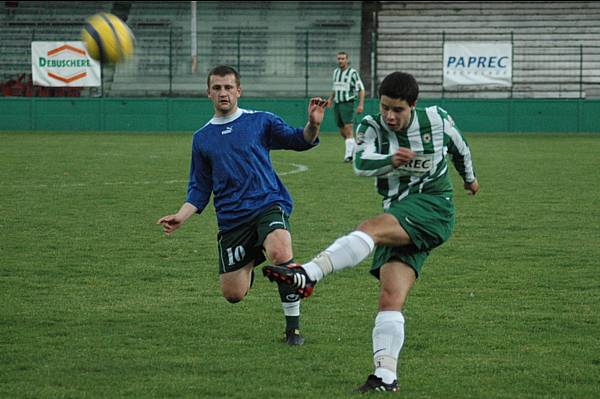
(170, 61)
(306, 67)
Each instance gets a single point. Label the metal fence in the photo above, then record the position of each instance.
(542, 67)
(272, 64)
(300, 63)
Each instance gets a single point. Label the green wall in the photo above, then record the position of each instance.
(188, 114)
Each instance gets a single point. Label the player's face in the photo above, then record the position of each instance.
(224, 93)
(395, 112)
(342, 60)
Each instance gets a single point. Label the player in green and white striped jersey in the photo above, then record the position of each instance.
(405, 148)
(346, 87)
(424, 134)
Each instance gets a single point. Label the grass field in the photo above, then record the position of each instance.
(97, 303)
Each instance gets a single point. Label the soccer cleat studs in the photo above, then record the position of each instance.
(292, 275)
(376, 384)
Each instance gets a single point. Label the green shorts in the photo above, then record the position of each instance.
(244, 243)
(343, 113)
(428, 220)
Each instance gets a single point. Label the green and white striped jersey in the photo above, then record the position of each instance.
(432, 135)
(346, 84)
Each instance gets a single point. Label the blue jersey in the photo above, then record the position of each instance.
(230, 158)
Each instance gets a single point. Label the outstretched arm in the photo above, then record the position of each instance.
(316, 111)
(170, 223)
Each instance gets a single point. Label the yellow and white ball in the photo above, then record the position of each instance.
(107, 38)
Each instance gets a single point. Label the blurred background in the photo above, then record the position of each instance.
(286, 50)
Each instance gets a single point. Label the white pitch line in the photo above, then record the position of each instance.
(298, 169)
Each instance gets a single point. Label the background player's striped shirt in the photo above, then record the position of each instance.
(432, 135)
(346, 84)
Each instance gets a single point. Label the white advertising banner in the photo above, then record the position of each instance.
(476, 63)
(60, 64)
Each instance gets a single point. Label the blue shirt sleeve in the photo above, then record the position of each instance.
(200, 183)
(284, 137)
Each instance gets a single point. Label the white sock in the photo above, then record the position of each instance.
(349, 148)
(388, 337)
(346, 251)
(291, 308)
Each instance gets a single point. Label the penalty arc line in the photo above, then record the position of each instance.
(298, 168)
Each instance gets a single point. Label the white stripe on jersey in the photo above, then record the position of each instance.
(416, 144)
(393, 181)
(437, 139)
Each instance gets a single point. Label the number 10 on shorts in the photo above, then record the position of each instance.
(235, 255)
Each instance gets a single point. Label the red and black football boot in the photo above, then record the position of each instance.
(292, 275)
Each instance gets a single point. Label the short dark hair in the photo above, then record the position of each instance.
(400, 85)
(223, 70)
(343, 53)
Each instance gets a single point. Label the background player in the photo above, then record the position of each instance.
(346, 86)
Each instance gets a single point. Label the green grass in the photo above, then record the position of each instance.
(97, 303)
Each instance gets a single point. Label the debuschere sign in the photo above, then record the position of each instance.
(59, 64)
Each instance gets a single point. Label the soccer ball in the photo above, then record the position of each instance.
(107, 38)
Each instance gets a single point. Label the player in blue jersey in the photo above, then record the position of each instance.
(230, 160)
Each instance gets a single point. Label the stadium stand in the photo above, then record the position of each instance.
(555, 44)
(265, 41)
(159, 40)
(287, 49)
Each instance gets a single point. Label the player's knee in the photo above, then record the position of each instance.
(370, 226)
(391, 300)
(234, 295)
(233, 299)
(383, 228)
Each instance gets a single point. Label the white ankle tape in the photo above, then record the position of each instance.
(324, 262)
(386, 362)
